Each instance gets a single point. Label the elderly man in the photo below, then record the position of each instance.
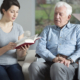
(59, 46)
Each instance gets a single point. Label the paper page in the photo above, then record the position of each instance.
(27, 40)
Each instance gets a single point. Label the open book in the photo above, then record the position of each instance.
(27, 41)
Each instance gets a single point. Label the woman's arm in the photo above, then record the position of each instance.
(22, 51)
(10, 46)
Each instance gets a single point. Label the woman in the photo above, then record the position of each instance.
(10, 32)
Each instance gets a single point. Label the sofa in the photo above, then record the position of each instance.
(30, 57)
(25, 62)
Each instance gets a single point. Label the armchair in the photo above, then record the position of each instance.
(77, 71)
(30, 57)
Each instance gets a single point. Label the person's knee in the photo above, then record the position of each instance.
(56, 67)
(33, 66)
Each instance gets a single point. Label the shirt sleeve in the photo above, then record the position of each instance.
(76, 54)
(41, 48)
(20, 29)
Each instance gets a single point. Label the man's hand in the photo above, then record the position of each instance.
(65, 62)
(58, 59)
(62, 60)
(55, 59)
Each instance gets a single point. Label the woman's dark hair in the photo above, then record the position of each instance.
(8, 3)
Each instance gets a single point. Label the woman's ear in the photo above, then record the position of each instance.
(3, 10)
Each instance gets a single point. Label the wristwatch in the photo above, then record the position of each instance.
(71, 61)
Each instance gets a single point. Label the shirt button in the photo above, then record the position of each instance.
(58, 48)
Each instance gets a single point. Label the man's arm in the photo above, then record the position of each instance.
(41, 49)
(76, 54)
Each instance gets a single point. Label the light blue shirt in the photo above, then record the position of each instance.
(65, 41)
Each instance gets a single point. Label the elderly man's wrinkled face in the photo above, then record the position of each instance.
(60, 16)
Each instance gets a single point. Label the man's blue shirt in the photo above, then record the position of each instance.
(65, 41)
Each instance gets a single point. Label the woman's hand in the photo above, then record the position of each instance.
(25, 48)
(22, 51)
(10, 46)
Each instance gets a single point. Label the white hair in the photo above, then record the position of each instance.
(61, 3)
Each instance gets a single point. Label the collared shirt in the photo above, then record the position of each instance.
(65, 41)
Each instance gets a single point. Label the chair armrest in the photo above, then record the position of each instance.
(22, 58)
(39, 59)
(79, 69)
(30, 56)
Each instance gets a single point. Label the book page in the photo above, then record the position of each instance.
(34, 37)
(21, 40)
(27, 40)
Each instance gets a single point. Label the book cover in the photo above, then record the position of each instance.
(26, 41)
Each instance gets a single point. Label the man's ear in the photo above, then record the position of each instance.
(69, 16)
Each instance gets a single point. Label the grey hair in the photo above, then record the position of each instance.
(61, 3)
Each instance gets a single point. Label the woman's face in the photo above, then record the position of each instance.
(11, 14)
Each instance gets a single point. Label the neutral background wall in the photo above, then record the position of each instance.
(0, 4)
(26, 16)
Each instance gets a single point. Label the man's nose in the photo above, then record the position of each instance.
(57, 16)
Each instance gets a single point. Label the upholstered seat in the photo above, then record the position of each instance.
(30, 57)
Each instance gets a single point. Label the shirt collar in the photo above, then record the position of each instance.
(68, 25)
